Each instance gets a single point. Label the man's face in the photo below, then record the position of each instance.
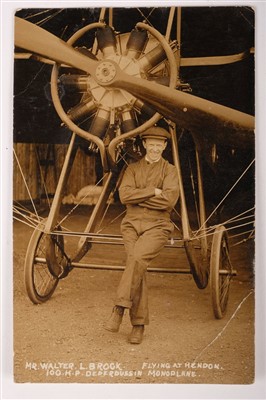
(154, 148)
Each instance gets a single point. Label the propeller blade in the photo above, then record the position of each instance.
(202, 117)
(33, 38)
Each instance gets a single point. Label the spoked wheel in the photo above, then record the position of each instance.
(220, 272)
(40, 280)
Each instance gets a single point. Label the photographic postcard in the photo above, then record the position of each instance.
(84, 79)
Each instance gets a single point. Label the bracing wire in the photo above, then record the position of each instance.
(211, 228)
(144, 16)
(236, 217)
(194, 192)
(44, 20)
(28, 218)
(210, 232)
(251, 236)
(106, 210)
(227, 194)
(80, 201)
(38, 13)
(25, 223)
(22, 208)
(42, 177)
(26, 185)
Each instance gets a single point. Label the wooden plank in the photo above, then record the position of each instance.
(82, 174)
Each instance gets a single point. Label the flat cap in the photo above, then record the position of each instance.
(155, 132)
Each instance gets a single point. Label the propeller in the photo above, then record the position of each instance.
(33, 38)
(202, 117)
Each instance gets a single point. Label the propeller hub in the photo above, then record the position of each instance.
(105, 72)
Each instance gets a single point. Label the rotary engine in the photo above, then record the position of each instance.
(106, 112)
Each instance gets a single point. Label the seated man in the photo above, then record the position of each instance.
(150, 190)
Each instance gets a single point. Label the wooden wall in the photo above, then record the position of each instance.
(30, 156)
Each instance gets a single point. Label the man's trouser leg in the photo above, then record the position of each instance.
(143, 240)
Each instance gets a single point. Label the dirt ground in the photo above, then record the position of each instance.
(63, 339)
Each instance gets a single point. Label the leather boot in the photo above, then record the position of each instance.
(115, 320)
(136, 334)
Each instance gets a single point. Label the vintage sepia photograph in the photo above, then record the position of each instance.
(134, 195)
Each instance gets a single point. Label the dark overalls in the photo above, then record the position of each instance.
(145, 228)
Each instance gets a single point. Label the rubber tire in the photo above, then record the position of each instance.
(33, 271)
(220, 283)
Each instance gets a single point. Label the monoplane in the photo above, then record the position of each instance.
(116, 84)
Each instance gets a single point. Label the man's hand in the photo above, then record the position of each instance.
(157, 191)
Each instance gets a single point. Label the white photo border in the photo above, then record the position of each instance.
(11, 390)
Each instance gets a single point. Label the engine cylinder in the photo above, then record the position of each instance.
(106, 40)
(100, 123)
(128, 122)
(144, 108)
(82, 110)
(153, 57)
(75, 82)
(136, 43)
(86, 52)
